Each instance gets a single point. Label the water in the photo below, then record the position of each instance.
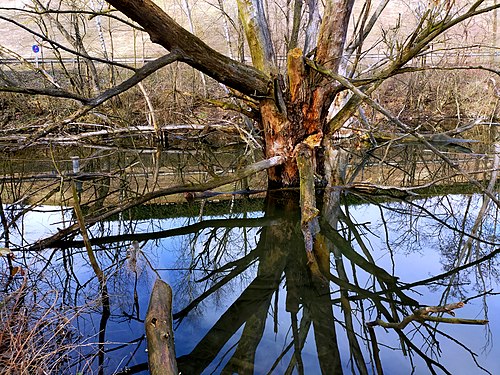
(246, 298)
(243, 297)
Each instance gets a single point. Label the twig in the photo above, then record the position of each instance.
(137, 201)
(422, 314)
(346, 83)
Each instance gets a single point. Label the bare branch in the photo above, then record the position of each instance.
(365, 29)
(344, 81)
(297, 16)
(422, 315)
(413, 69)
(193, 51)
(139, 75)
(90, 14)
(64, 48)
(57, 93)
(139, 200)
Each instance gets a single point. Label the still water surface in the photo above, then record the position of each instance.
(254, 304)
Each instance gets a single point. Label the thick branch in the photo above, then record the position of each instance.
(297, 16)
(258, 36)
(159, 331)
(56, 93)
(180, 231)
(333, 33)
(312, 28)
(166, 32)
(309, 222)
(142, 73)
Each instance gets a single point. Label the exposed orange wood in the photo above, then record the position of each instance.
(296, 75)
(277, 131)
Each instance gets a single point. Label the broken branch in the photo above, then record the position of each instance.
(422, 314)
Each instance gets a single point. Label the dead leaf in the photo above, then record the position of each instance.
(15, 270)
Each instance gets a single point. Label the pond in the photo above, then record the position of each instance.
(244, 298)
(242, 294)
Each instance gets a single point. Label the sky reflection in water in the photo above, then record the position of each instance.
(420, 249)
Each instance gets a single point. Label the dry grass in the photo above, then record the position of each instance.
(35, 336)
(436, 95)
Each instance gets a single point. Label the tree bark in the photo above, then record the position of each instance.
(159, 332)
(333, 33)
(165, 31)
(258, 36)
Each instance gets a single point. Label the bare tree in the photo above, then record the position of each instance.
(300, 109)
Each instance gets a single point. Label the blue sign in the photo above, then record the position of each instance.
(35, 48)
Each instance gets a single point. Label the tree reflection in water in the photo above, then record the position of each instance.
(245, 301)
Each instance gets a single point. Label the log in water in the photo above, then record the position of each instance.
(159, 332)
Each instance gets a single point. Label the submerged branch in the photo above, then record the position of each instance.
(86, 240)
(309, 221)
(180, 231)
(422, 315)
(101, 277)
(137, 201)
